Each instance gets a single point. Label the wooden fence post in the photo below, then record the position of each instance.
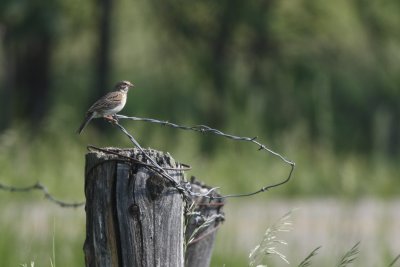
(134, 217)
(200, 241)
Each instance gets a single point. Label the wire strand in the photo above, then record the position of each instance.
(182, 188)
(207, 129)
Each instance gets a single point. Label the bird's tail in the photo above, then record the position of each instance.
(85, 122)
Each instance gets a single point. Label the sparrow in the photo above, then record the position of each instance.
(108, 105)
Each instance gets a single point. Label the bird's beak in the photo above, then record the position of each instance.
(131, 85)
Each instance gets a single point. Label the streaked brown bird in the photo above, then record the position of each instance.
(108, 105)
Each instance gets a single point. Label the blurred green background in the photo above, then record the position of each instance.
(316, 81)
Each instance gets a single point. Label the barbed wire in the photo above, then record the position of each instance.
(39, 187)
(207, 129)
(160, 170)
(184, 189)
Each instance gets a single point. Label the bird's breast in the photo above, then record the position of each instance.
(117, 108)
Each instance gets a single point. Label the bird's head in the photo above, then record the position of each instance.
(124, 86)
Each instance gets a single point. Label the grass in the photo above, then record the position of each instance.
(56, 159)
(307, 261)
(270, 243)
(27, 235)
(52, 258)
(350, 256)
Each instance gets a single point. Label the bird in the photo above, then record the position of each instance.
(108, 105)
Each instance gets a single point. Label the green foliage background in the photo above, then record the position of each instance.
(316, 81)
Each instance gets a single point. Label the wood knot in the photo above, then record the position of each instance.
(155, 185)
(134, 210)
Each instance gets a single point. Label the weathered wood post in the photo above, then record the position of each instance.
(134, 217)
(202, 223)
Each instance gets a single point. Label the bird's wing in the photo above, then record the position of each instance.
(109, 101)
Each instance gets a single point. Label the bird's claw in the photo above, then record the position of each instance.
(111, 119)
(115, 117)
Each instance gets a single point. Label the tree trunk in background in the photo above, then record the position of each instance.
(101, 82)
(211, 58)
(5, 96)
(218, 66)
(102, 55)
(28, 46)
(27, 85)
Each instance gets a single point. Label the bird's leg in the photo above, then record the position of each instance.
(115, 117)
(111, 118)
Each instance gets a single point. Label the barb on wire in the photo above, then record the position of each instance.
(194, 237)
(183, 166)
(47, 195)
(156, 167)
(207, 129)
(163, 171)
